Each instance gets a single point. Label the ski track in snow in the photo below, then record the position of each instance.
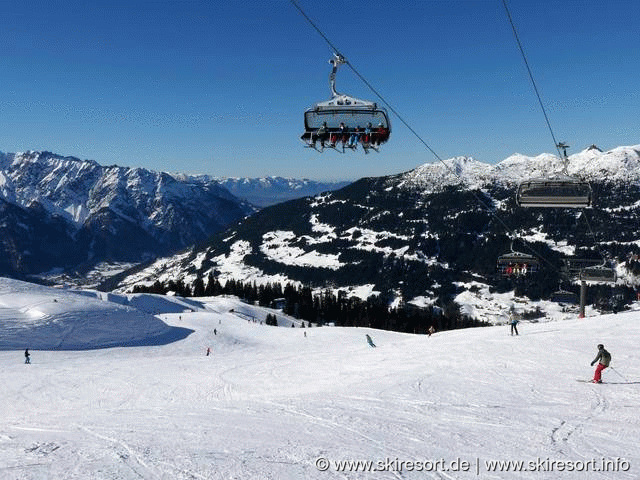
(268, 402)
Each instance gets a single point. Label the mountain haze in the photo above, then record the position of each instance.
(267, 191)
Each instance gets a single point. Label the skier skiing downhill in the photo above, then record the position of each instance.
(369, 341)
(514, 325)
(604, 359)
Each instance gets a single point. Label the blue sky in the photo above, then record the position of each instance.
(220, 87)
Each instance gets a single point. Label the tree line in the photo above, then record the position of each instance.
(325, 307)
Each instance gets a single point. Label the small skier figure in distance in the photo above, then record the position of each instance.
(27, 356)
(604, 359)
(514, 323)
(369, 341)
(208, 351)
(431, 330)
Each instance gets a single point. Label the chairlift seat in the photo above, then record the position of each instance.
(517, 263)
(560, 192)
(351, 112)
(564, 296)
(598, 274)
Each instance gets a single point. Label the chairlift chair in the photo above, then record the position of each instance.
(564, 296)
(598, 273)
(517, 263)
(572, 266)
(344, 109)
(562, 191)
(559, 193)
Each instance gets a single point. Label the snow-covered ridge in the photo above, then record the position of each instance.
(75, 189)
(591, 164)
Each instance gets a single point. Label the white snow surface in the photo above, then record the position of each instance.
(40, 317)
(270, 402)
(621, 163)
(277, 246)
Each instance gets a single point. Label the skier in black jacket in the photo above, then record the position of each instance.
(604, 359)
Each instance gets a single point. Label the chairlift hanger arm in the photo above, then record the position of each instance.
(335, 62)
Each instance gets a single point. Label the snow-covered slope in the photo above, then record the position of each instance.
(37, 317)
(272, 403)
(434, 176)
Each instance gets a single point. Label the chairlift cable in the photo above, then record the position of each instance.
(533, 82)
(395, 112)
(417, 135)
(558, 146)
(563, 155)
(326, 39)
(593, 235)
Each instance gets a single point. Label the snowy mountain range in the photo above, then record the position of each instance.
(64, 212)
(266, 191)
(621, 164)
(61, 214)
(418, 236)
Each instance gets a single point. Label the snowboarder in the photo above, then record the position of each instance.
(369, 341)
(604, 359)
(27, 356)
(514, 323)
(431, 330)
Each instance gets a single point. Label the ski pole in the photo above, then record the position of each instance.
(619, 374)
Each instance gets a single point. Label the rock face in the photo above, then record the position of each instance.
(63, 212)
